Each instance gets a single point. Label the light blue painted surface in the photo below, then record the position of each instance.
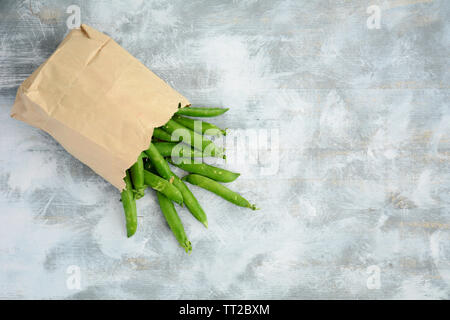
(363, 181)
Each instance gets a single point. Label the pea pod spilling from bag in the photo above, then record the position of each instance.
(152, 169)
(193, 138)
(129, 206)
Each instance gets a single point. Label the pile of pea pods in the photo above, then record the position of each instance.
(168, 146)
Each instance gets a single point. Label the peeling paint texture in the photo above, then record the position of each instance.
(359, 207)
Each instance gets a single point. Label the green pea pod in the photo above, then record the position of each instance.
(201, 112)
(129, 206)
(137, 176)
(185, 151)
(190, 201)
(174, 222)
(148, 166)
(166, 148)
(206, 145)
(218, 189)
(163, 186)
(161, 135)
(158, 161)
(207, 170)
(199, 126)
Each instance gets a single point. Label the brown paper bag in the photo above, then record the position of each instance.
(98, 101)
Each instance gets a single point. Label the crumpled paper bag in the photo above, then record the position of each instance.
(98, 101)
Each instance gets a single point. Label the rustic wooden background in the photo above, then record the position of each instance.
(358, 204)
